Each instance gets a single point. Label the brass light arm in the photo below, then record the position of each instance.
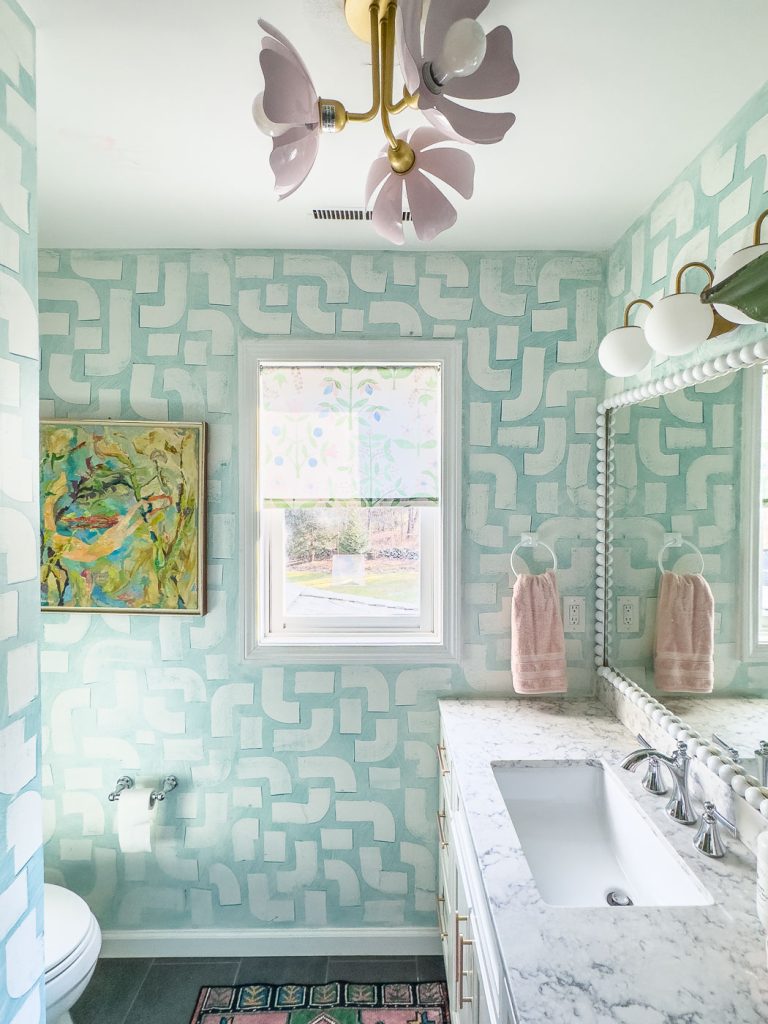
(373, 11)
(400, 154)
(758, 227)
(410, 99)
(635, 302)
(387, 68)
(687, 266)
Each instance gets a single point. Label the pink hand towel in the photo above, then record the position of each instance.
(683, 656)
(538, 643)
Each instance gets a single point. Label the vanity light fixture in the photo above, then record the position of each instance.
(675, 325)
(735, 262)
(454, 60)
(625, 351)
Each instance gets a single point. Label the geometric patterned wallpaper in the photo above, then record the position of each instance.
(307, 793)
(677, 464)
(21, 859)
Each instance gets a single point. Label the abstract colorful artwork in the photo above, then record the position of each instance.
(122, 516)
(333, 1002)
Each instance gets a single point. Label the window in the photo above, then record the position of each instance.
(352, 481)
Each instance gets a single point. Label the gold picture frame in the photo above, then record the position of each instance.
(122, 516)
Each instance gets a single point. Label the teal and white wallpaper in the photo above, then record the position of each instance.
(307, 793)
(21, 855)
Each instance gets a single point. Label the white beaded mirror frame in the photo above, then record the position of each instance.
(715, 759)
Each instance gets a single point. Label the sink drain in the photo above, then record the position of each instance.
(618, 898)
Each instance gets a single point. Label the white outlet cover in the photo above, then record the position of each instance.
(574, 617)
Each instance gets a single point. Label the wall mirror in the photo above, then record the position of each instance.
(683, 486)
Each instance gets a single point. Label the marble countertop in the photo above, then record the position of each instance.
(637, 965)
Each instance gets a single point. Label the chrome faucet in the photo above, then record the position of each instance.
(761, 756)
(679, 806)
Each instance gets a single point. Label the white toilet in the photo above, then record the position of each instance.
(72, 943)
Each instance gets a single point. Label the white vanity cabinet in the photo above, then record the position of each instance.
(472, 962)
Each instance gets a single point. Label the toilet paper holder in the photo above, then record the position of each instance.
(170, 782)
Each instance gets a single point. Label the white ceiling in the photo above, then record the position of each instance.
(145, 136)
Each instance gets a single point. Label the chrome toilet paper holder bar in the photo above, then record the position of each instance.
(170, 782)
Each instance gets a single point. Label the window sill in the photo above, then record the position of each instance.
(336, 654)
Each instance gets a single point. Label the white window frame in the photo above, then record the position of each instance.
(428, 642)
(752, 414)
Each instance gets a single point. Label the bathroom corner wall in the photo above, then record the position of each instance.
(706, 214)
(21, 860)
(308, 793)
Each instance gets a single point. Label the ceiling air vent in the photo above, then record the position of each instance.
(350, 215)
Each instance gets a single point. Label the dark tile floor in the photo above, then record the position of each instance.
(165, 991)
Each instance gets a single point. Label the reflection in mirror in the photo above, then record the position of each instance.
(739, 726)
(687, 495)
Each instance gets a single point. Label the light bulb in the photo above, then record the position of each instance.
(462, 53)
(624, 352)
(678, 324)
(263, 123)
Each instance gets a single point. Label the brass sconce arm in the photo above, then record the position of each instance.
(758, 227)
(635, 302)
(687, 266)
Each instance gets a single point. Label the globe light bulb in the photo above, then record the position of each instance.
(624, 352)
(462, 53)
(263, 123)
(678, 324)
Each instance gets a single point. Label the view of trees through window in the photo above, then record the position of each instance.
(361, 560)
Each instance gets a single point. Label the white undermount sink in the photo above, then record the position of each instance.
(584, 838)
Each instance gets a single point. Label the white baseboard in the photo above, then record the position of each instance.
(244, 942)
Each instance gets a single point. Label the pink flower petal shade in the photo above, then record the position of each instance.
(289, 98)
(496, 76)
(431, 211)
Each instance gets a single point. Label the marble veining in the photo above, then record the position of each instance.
(636, 965)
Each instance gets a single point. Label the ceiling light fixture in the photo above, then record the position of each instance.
(454, 60)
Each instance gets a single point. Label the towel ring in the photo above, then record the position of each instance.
(530, 540)
(677, 542)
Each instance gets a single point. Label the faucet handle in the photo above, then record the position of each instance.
(725, 822)
(653, 780)
(730, 750)
(707, 839)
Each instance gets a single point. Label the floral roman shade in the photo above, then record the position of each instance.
(349, 435)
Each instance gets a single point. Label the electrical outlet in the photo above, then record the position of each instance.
(573, 615)
(628, 615)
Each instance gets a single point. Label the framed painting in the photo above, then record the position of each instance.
(122, 516)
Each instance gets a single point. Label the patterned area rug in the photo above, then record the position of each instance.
(334, 1002)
